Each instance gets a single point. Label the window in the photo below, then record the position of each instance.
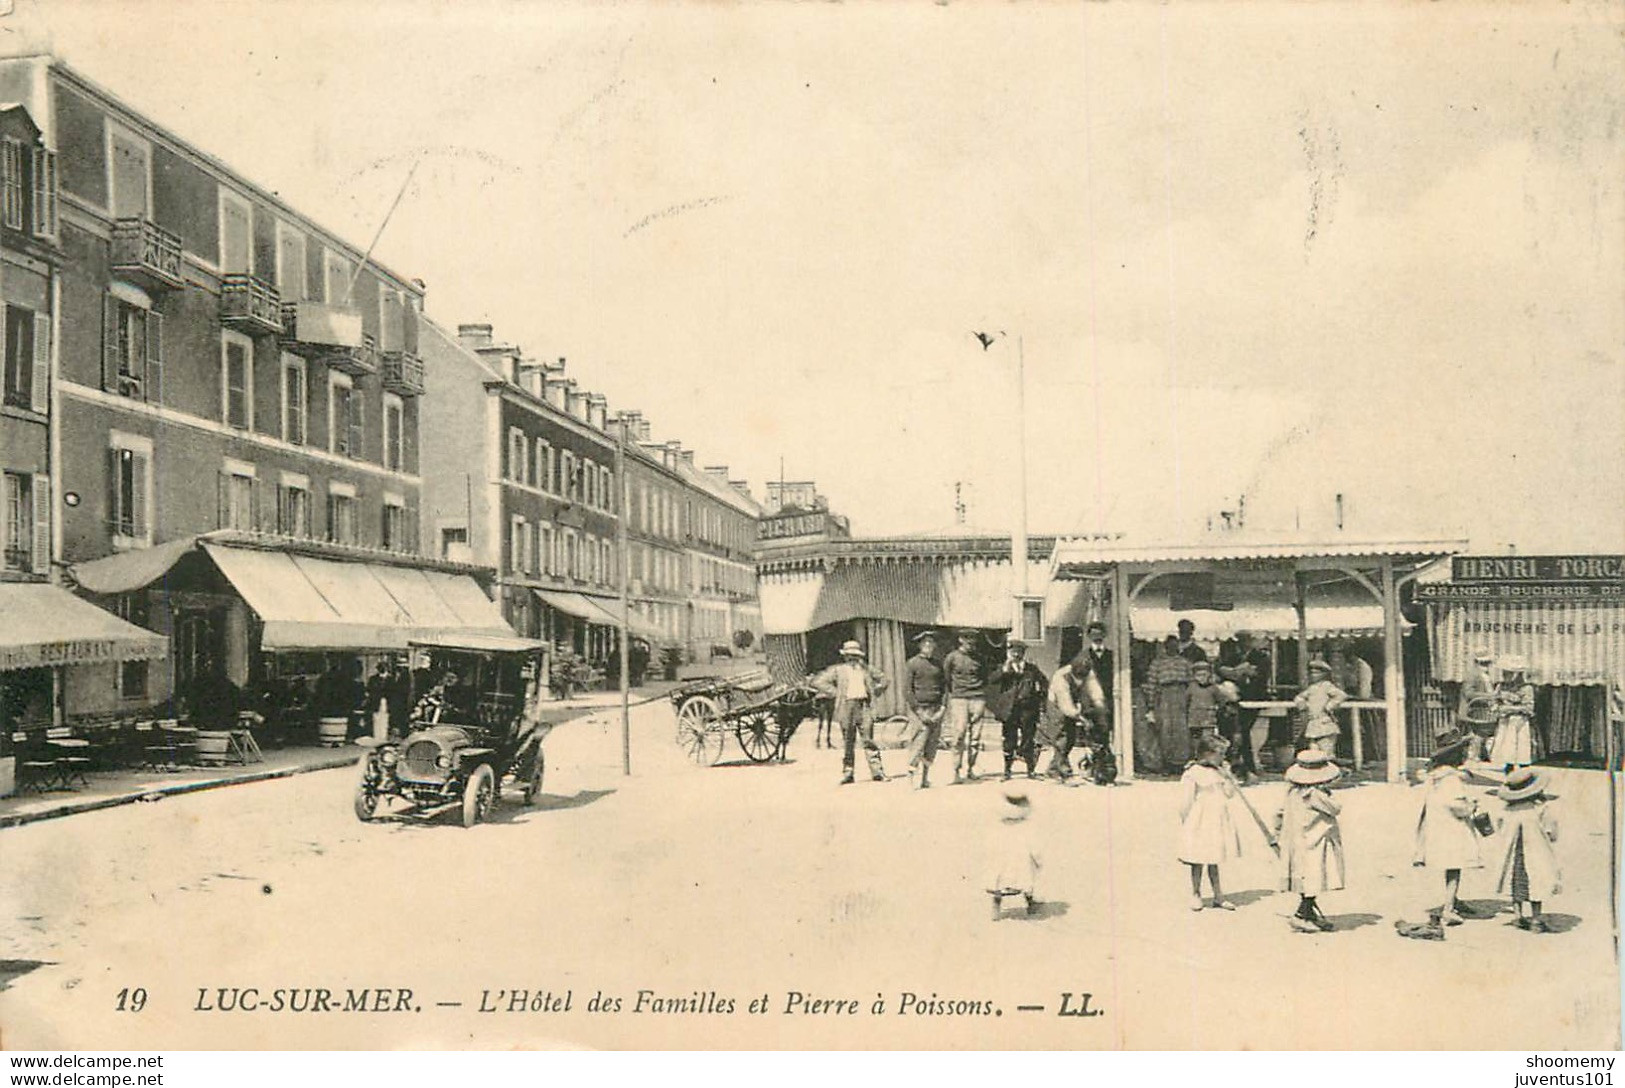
(611, 501)
(572, 565)
(132, 350)
(11, 182)
(518, 544)
(589, 477)
(290, 264)
(544, 548)
(236, 234)
(608, 562)
(342, 527)
(236, 380)
(294, 399)
(343, 416)
(293, 506)
(394, 422)
(451, 539)
(130, 504)
(391, 319)
(516, 455)
(19, 550)
(19, 333)
(131, 678)
(338, 274)
(45, 218)
(393, 535)
(129, 167)
(237, 507)
(539, 465)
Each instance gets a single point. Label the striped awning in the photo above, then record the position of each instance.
(969, 593)
(1564, 643)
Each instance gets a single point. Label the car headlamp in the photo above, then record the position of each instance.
(388, 757)
(443, 762)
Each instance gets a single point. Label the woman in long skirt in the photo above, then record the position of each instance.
(1515, 707)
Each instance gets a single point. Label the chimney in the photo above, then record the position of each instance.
(554, 388)
(597, 410)
(687, 456)
(719, 472)
(575, 401)
(474, 337)
(533, 377)
(743, 487)
(644, 433)
(673, 450)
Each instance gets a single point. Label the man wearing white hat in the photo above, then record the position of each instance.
(854, 685)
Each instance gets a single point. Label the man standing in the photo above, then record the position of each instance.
(1020, 687)
(1250, 672)
(922, 692)
(1074, 694)
(967, 704)
(1101, 663)
(854, 687)
(1188, 649)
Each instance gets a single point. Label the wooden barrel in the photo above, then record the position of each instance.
(213, 748)
(334, 731)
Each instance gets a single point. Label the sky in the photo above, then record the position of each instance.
(1286, 252)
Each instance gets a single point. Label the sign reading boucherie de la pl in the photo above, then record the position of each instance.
(1537, 568)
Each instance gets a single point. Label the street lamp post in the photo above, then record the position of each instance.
(626, 605)
(1019, 550)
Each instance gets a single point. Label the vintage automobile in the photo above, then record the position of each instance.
(468, 740)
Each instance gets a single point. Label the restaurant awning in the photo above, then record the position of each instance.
(308, 603)
(125, 572)
(43, 625)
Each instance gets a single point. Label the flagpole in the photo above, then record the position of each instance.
(367, 256)
(626, 605)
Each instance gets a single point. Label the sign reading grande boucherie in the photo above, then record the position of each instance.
(1537, 568)
(1513, 592)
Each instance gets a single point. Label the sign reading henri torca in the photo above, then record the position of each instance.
(1538, 568)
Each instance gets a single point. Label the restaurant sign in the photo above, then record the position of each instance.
(1520, 569)
(1514, 592)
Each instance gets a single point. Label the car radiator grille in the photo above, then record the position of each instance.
(417, 762)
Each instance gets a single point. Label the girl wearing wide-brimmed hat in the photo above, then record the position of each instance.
(1014, 860)
(1529, 871)
(1207, 833)
(1514, 708)
(1445, 837)
(1311, 840)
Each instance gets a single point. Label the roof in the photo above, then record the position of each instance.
(1236, 547)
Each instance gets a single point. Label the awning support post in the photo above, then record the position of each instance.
(1393, 675)
(1122, 682)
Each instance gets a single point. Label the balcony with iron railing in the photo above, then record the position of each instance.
(403, 373)
(147, 253)
(331, 334)
(249, 304)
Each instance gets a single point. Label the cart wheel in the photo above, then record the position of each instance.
(697, 712)
(758, 734)
(366, 798)
(477, 795)
(533, 785)
(703, 743)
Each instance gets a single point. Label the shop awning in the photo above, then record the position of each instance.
(126, 572)
(43, 625)
(605, 613)
(307, 603)
(1563, 643)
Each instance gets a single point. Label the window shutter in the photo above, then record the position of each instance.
(42, 523)
(109, 343)
(222, 500)
(155, 357)
(115, 511)
(357, 423)
(138, 487)
(284, 519)
(40, 394)
(332, 534)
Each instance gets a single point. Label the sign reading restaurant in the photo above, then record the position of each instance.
(1538, 568)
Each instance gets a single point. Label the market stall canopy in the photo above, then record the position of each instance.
(975, 592)
(44, 625)
(500, 644)
(1079, 558)
(1564, 643)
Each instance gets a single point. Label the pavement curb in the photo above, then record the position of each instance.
(18, 819)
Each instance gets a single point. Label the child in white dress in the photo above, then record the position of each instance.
(1529, 871)
(1015, 861)
(1207, 833)
(1445, 838)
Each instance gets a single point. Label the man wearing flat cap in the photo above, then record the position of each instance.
(922, 693)
(854, 685)
(1020, 687)
(967, 705)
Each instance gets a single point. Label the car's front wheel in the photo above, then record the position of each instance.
(366, 796)
(477, 795)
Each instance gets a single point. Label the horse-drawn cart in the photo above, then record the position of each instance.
(761, 714)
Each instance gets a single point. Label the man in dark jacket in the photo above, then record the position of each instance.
(1019, 688)
(923, 693)
(1101, 664)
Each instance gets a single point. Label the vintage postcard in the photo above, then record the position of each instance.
(900, 526)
